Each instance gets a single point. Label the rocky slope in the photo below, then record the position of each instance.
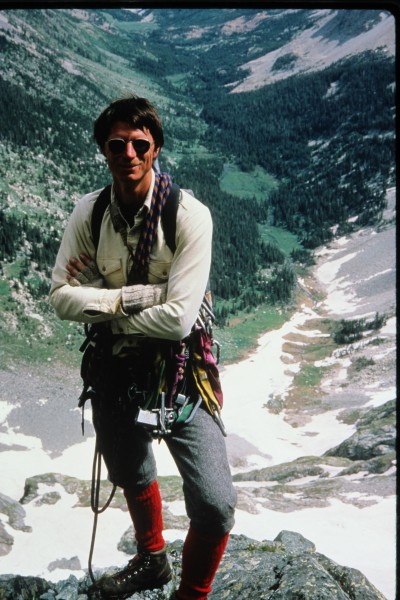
(359, 471)
(288, 567)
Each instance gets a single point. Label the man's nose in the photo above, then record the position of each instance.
(130, 150)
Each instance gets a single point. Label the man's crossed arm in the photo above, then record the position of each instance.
(134, 298)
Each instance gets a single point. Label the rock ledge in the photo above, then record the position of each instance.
(287, 568)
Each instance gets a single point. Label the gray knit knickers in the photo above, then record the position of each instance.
(199, 451)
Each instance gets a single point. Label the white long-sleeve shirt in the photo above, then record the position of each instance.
(186, 271)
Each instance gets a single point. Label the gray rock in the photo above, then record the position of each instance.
(127, 543)
(306, 466)
(68, 590)
(48, 498)
(72, 564)
(48, 595)
(275, 404)
(375, 435)
(294, 542)
(287, 568)
(304, 577)
(16, 519)
(15, 513)
(376, 465)
(311, 481)
(16, 587)
(6, 541)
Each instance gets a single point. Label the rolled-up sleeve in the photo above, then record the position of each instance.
(84, 303)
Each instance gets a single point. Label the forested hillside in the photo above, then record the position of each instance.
(328, 137)
(311, 154)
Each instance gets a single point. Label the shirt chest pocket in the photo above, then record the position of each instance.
(112, 271)
(159, 271)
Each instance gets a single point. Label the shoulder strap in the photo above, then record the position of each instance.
(168, 215)
(99, 208)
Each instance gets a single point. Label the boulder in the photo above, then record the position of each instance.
(16, 519)
(375, 435)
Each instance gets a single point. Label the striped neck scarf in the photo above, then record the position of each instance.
(140, 267)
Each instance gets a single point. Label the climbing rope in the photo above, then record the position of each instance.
(94, 503)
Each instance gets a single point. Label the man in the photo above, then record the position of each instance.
(142, 298)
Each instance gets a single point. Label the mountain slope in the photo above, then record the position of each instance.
(312, 152)
(333, 35)
(306, 153)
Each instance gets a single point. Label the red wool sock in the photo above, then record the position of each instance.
(200, 560)
(145, 509)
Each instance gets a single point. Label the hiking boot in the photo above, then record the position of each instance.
(145, 571)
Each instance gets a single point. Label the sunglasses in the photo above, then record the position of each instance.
(117, 145)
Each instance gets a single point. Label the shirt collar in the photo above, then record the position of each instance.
(117, 219)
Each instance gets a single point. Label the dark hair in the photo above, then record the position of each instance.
(137, 112)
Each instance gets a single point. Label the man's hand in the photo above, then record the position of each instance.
(83, 271)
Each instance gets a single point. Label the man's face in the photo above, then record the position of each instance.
(128, 165)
